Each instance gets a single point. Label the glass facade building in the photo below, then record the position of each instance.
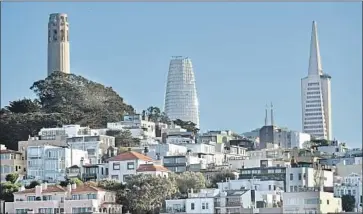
(181, 100)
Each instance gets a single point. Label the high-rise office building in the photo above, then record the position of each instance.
(181, 100)
(316, 95)
(58, 43)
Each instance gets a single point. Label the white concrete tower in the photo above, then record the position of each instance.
(58, 43)
(181, 100)
(316, 95)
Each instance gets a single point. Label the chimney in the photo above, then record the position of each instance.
(74, 186)
(44, 185)
(272, 114)
(69, 188)
(38, 190)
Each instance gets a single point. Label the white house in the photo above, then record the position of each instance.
(350, 185)
(152, 169)
(311, 202)
(297, 177)
(95, 145)
(50, 162)
(124, 165)
(56, 199)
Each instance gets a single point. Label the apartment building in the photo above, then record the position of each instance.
(311, 201)
(75, 199)
(350, 185)
(307, 176)
(138, 127)
(49, 163)
(95, 145)
(11, 162)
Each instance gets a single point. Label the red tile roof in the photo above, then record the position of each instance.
(130, 155)
(151, 168)
(50, 188)
(57, 188)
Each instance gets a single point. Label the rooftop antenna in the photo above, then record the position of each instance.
(272, 114)
(266, 119)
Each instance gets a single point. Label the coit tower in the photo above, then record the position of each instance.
(58, 43)
(181, 100)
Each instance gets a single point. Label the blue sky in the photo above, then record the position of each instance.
(244, 55)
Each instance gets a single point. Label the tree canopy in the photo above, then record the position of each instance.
(221, 177)
(23, 106)
(188, 125)
(348, 203)
(61, 99)
(146, 193)
(154, 114)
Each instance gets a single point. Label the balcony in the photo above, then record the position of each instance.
(183, 164)
(234, 204)
(173, 210)
(89, 176)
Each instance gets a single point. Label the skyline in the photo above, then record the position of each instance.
(227, 59)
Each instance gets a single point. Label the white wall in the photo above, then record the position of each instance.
(298, 179)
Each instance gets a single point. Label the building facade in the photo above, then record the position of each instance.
(316, 95)
(11, 162)
(58, 43)
(181, 100)
(46, 198)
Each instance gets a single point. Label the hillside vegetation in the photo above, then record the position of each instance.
(61, 99)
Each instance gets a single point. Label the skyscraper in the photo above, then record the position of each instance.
(316, 95)
(58, 43)
(181, 100)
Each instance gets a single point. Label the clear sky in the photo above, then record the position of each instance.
(244, 55)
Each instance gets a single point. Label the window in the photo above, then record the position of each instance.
(31, 198)
(342, 192)
(203, 206)
(269, 187)
(76, 197)
(291, 176)
(300, 176)
(295, 188)
(206, 205)
(304, 176)
(130, 165)
(274, 187)
(192, 206)
(92, 196)
(349, 192)
(291, 188)
(114, 177)
(353, 191)
(116, 166)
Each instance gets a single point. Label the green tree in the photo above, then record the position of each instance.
(155, 115)
(145, 193)
(12, 177)
(7, 189)
(63, 99)
(188, 125)
(221, 177)
(348, 203)
(32, 184)
(23, 106)
(111, 185)
(123, 138)
(188, 180)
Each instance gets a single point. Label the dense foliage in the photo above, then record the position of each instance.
(61, 99)
(123, 138)
(221, 177)
(348, 203)
(9, 187)
(188, 125)
(145, 193)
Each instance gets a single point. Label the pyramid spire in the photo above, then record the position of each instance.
(315, 67)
